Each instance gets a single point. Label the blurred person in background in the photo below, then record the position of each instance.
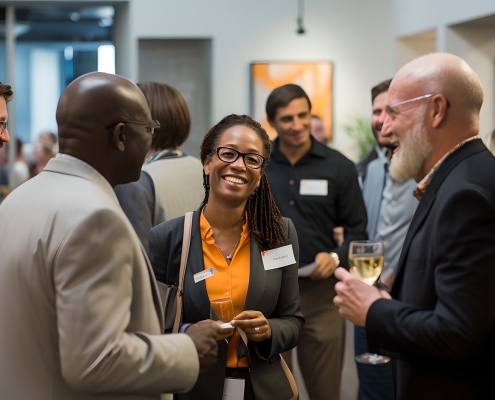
(4, 178)
(316, 187)
(318, 129)
(378, 96)
(49, 139)
(171, 182)
(42, 155)
(6, 95)
(20, 168)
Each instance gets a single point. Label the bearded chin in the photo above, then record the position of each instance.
(414, 149)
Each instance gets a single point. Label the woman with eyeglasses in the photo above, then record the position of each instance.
(237, 221)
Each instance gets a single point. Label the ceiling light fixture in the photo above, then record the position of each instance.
(300, 16)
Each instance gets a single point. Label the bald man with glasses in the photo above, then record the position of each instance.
(438, 322)
(80, 310)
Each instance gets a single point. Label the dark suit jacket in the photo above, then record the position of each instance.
(275, 293)
(441, 327)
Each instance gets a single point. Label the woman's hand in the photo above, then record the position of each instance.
(248, 321)
(222, 333)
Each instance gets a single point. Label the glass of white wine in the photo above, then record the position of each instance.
(366, 262)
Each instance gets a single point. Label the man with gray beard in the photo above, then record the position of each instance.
(390, 207)
(438, 322)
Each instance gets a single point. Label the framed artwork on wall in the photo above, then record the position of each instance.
(314, 77)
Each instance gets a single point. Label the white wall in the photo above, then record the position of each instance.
(472, 42)
(354, 34)
(410, 17)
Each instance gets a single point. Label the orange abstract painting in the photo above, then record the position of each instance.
(314, 77)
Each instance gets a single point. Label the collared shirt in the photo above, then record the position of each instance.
(396, 211)
(228, 281)
(423, 185)
(334, 199)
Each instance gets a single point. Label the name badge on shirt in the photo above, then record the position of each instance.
(233, 389)
(201, 276)
(278, 258)
(313, 187)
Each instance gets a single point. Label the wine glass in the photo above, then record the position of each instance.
(366, 262)
(222, 312)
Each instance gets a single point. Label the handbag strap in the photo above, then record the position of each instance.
(186, 242)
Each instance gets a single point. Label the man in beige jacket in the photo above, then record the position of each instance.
(80, 315)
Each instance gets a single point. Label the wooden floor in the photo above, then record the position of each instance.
(350, 384)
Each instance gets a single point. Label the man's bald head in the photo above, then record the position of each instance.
(435, 104)
(446, 74)
(102, 120)
(99, 99)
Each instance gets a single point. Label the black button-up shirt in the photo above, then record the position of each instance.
(315, 216)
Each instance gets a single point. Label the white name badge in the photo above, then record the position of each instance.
(201, 276)
(233, 389)
(313, 187)
(278, 258)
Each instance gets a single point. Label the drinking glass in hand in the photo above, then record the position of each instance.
(366, 263)
(222, 312)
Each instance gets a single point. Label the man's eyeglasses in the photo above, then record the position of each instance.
(4, 126)
(393, 112)
(150, 127)
(392, 108)
(251, 160)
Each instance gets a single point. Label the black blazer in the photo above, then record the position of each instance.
(441, 327)
(275, 293)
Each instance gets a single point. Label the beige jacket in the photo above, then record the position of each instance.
(80, 315)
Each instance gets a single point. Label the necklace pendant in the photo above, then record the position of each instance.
(228, 257)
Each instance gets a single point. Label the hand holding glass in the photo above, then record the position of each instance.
(366, 263)
(222, 312)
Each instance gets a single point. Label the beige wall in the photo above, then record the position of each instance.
(353, 34)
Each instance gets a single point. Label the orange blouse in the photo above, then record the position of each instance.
(228, 280)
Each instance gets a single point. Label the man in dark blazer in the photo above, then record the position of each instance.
(438, 323)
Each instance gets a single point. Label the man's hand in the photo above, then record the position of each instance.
(325, 268)
(354, 298)
(204, 337)
(222, 333)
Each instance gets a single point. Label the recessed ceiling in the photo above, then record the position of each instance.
(484, 22)
(61, 24)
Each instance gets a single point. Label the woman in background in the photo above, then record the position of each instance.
(170, 183)
(237, 220)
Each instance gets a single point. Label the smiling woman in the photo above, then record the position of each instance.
(237, 220)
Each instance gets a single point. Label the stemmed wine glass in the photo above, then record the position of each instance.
(366, 262)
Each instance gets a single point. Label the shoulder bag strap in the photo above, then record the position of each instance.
(186, 242)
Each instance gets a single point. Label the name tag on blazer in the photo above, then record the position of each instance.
(313, 187)
(278, 258)
(201, 276)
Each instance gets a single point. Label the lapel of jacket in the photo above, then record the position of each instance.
(429, 198)
(257, 277)
(195, 263)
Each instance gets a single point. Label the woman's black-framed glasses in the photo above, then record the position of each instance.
(251, 160)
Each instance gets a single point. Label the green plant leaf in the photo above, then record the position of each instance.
(360, 131)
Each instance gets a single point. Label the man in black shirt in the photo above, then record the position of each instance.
(317, 188)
